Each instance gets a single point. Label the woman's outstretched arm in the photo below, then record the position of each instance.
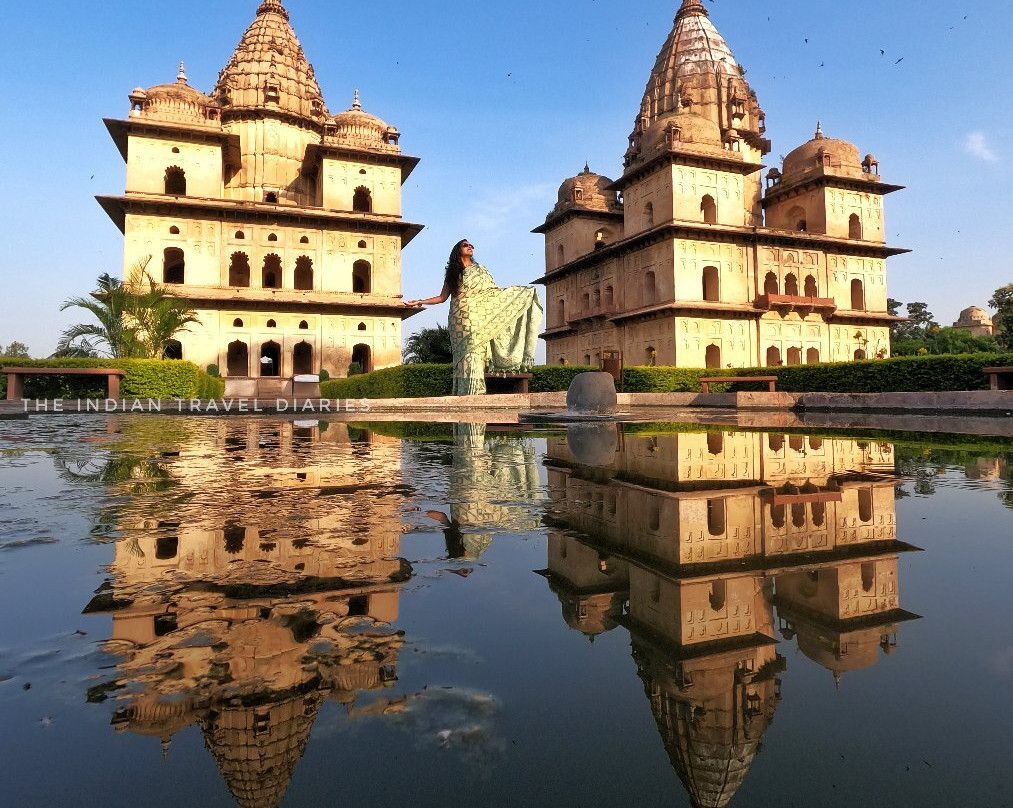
(432, 301)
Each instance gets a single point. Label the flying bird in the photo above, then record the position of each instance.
(901, 59)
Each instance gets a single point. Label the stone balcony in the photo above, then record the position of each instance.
(802, 304)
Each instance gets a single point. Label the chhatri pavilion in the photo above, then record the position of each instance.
(278, 221)
(694, 257)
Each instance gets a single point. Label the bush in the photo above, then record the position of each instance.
(355, 369)
(916, 374)
(554, 378)
(143, 378)
(212, 370)
(324, 375)
(403, 381)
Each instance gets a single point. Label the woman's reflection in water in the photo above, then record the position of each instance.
(494, 488)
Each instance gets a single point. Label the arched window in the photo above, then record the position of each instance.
(362, 200)
(596, 298)
(173, 266)
(362, 245)
(303, 273)
(654, 515)
(797, 444)
(270, 359)
(586, 300)
(812, 356)
(362, 327)
(560, 312)
(865, 504)
(271, 197)
(791, 284)
(710, 283)
(304, 240)
(302, 358)
(174, 231)
(560, 256)
(868, 576)
(775, 443)
(609, 296)
(709, 209)
(854, 226)
(362, 277)
(238, 360)
(778, 516)
(715, 443)
(857, 295)
(240, 235)
(859, 354)
(587, 360)
(237, 323)
(819, 510)
(794, 356)
(810, 287)
(718, 594)
(773, 356)
(647, 218)
(649, 293)
(716, 517)
(271, 274)
(770, 285)
(272, 324)
(175, 181)
(304, 326)
(173, 350)
(798, 514)
(239, 270)
(364, 356)
(713, 356)
(562, 360)
(272, 237)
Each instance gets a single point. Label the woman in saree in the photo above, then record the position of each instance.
(491, 329)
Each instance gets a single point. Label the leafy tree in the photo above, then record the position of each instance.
(430, 346)
(1002, 302)
(919, 325)
(136, 319)
(16, 350)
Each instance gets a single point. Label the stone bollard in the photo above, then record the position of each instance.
(593, 393)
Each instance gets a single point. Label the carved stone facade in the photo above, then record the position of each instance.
(686, 260)
(279, 222)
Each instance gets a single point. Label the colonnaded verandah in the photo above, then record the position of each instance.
(279, 222)
(688, 260)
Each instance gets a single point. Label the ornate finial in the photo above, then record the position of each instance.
(166, 742)
(355, 100)
(691, 7)
(819, 131)
(272, 5)
(587, 169)
(181, 76)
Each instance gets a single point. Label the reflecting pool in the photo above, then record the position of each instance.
(247, 611)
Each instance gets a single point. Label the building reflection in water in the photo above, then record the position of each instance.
(694, 542)
(267, 583)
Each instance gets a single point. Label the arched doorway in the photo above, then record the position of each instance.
(270, 359)
(362, 278)
(773, 356)
(239, 270)
(270, 277)
(302, 358)
(173, 350)
(173, 266)
(363, 355)
(304, 273)
(713, 356)
(237, 362)
(794, 356)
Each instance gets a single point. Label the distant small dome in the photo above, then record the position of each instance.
(843, 157)
(586, 191)
(356, 127)
(176, 102)
(973, 316)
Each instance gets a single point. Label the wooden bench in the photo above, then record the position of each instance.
(16, 378)
(507, 382)
(705, 383)
(999, 378)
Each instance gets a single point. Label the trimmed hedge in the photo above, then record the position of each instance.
(142, 378)
(900, 374)
(425, 381)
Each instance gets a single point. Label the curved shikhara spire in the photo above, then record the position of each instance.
(269, 70)
(694, 51)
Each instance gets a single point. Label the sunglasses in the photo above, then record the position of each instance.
(467, 245)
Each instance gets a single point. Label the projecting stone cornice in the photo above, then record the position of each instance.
(229, 210)
(317, 151)
(692, 159)
(144, 127)
(310, 301)
(744, 236)
(554, 220)
(868, 184)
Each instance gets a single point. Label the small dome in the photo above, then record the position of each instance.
(813, 156)
(357, 128)
(972, 317)
(586, 191)
(174, 102)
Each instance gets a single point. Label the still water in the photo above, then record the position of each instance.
(257, 612)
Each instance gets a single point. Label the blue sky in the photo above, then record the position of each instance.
(502, 101)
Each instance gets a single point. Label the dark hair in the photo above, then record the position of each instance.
(455, 269)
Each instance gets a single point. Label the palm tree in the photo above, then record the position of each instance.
(429, 346)
(114, 334)
(136, 319)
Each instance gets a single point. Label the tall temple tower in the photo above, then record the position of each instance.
(279, 222)
(687, 260)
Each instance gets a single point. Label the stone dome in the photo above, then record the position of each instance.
(973, 315)
(178, 102)
(586, 191)
(810, 157)
(689, 130)
(358, 129)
